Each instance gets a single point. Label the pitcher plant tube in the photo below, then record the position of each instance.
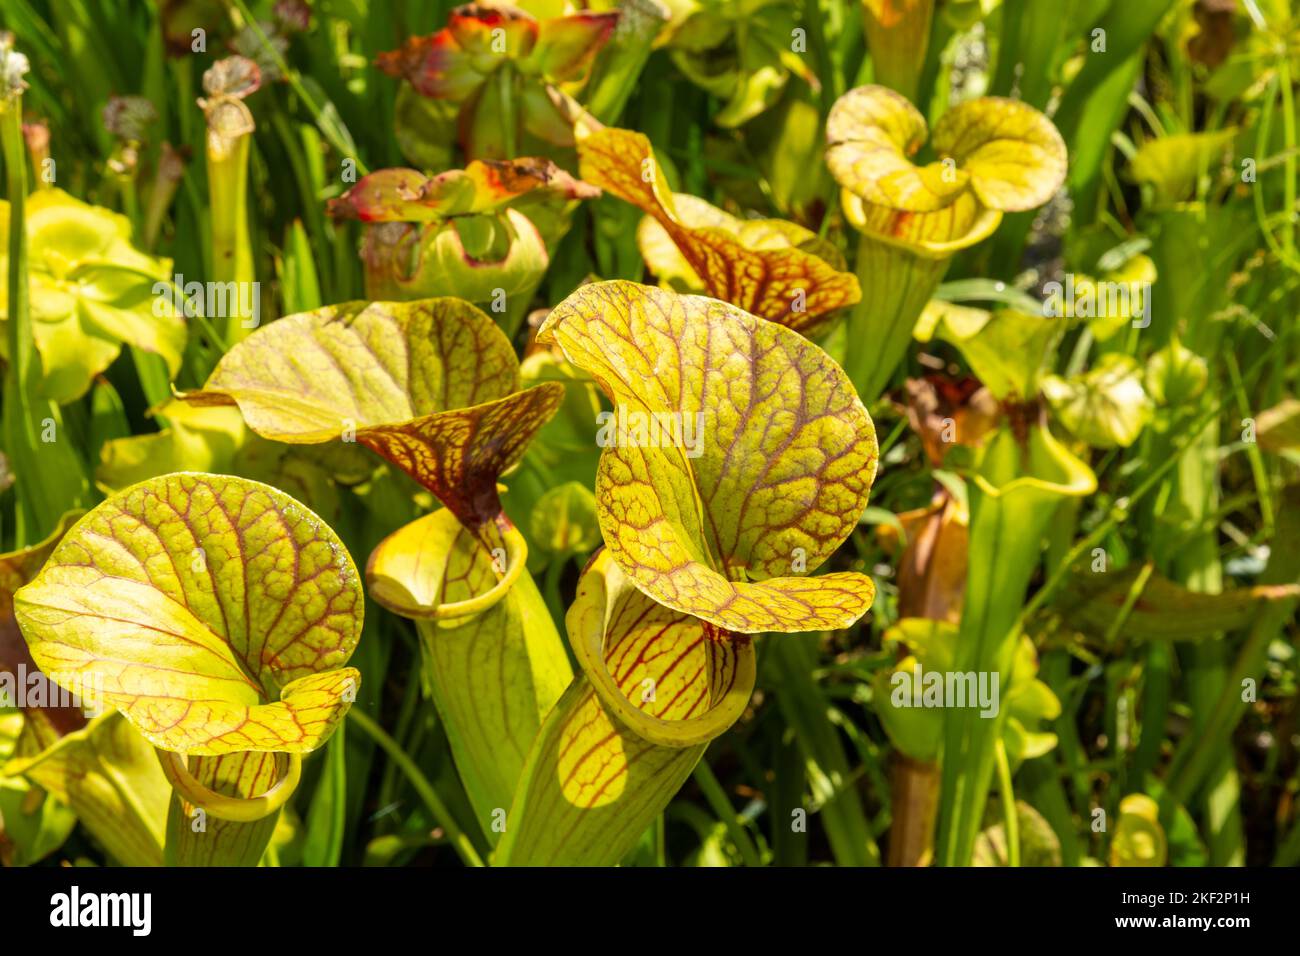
(1019, 479)
(704, 547)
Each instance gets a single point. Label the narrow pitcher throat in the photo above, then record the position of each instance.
(509, 554)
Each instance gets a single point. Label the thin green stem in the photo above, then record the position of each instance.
(327, 128)
(1011, 821)
(1121, 510)
(441, 815)
(722, 808)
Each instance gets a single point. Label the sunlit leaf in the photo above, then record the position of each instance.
(429, 385)
(109, 775)
(197, 439)
(872, 132)
(91, 292)
(1105, 406)
(215, 613)
(771, 465)
(1003, 152)
(768, 268)
(1008, 352)
(1171, 165)
(1015, 157)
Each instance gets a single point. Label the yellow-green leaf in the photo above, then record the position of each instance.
(33, 823)
(564, 521)
(769, 268)
(108, 773)
(758, 463)
(429, 385)
(216, 613)
(197, 438)
(1171, 165)
(1008, 352)
(872, 132)
(1015, 157)
(1105, 406)
(1003, 153)
(91, 292)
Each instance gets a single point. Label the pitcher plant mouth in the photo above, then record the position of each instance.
(223, 806)
(393, 569)
(937, 235)
(1035, 462)
(590, 638)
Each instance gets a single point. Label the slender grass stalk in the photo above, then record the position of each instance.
(1011, 821)
(503, 82)
(805, 708)
(328, 125)
(51, 481)
(725, 812)
(420, 783)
